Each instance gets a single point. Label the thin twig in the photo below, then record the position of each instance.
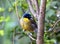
(13, 38)
(56, 23)
(17, 12)
(31, 37)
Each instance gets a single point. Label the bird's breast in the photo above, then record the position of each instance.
(26, 24)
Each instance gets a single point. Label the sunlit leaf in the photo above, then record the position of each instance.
(2, 9)
(2, 19)
(7, 19)
(10, 9)
(1, 32)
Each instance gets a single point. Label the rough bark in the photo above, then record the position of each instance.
(40, 33)
(40, 12)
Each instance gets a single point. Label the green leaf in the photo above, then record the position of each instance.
(2, 19)
(7, 19)
(1, 32)
(2, 9)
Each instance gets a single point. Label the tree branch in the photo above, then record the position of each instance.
(35, 2)
(37, 6)
(31, 8)
(16, 9)
(41, 8)
(31, 37)
(56, 23)
(41, 19)
(54, 26)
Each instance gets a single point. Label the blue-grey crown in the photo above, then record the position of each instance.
(27, 16)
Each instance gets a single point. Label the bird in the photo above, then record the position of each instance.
(28, 23)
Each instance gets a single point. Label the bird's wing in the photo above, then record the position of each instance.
(33, 22)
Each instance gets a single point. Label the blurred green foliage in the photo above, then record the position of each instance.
(1, 32)
(10, 28)
(1, 9)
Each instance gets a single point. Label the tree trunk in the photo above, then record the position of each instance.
(40, 13)
(41, 18)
